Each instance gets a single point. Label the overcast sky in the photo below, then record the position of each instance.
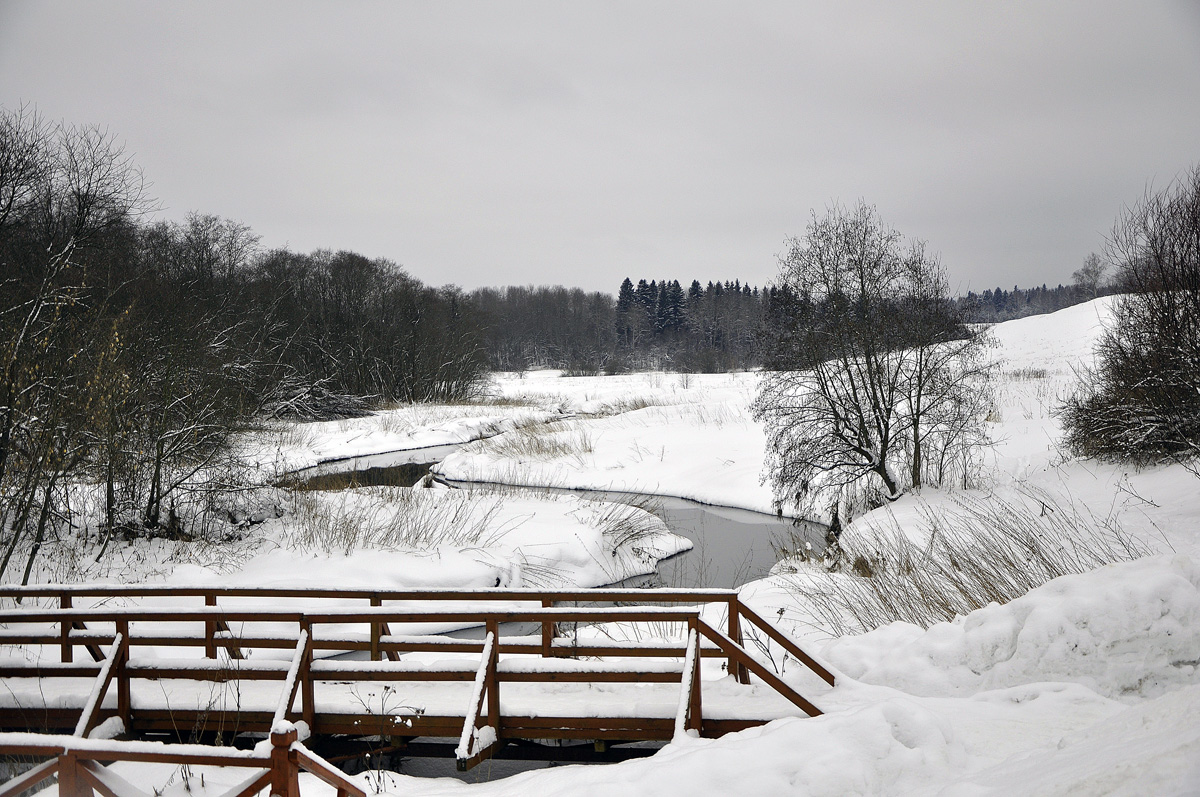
(582, 142)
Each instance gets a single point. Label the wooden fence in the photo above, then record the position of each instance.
(226, 623)
(79, 765)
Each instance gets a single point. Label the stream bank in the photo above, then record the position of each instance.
(731, 546)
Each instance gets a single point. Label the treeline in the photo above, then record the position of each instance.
(651, 325)
(718, 326)
(131, 352)
(994, 306)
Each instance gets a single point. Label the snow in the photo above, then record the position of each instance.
(472, 739)
(695, 438)
(1126, 631)
(539, 542)
(1088, 684)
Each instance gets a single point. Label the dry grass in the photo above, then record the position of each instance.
(393, 519)
(540, 441)
(977, 553)
(623, 405)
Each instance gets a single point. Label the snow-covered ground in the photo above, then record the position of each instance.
(684, 435)
(1089, 684)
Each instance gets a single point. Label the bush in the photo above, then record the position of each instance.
(1141, 402)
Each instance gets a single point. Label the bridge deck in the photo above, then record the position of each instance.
(239, 663)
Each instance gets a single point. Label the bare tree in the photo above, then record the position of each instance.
(1090, 276)
(61, 189)
(1142, 401)
(876, 376)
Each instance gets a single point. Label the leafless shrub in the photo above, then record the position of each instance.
(1141, 403)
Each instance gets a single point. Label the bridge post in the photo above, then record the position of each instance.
(70, 782)
(735, 667)
(285, 768)
(492, 685)
(547, 631)
(375, 626)
(122, 676)
(66, 648)
(210, 628)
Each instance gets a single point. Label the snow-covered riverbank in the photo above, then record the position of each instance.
(1089, 684)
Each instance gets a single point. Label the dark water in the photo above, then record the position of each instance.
(732, 546)
(393, 469)
(729, 546)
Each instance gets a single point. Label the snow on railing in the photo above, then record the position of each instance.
(685, 720)
(472, 739)
(287, 695)
(77, 761)
(87, 717)
(272, 627)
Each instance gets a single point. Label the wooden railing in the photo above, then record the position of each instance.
(219, 624)
(79, 764)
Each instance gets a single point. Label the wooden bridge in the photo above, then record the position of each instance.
(373, 670)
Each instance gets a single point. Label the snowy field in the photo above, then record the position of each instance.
(1089, 684)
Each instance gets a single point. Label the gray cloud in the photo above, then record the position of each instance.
(583, 142)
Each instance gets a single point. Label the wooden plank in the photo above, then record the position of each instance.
(465, 764)
(209, 674)
(251, 785)
(404, 676)
(660, 595)
(292, 680)
(91, 709)
(30, 778)
(593, 676)
(107, 782)
(786, 643)
(772, 680)
(687, 716)
(51, 671)
(474, 712)
(325, 771)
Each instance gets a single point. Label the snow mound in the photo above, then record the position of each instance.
(1125, 630)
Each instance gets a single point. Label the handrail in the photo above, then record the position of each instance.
(29, 778)
(75, 758)
(665, 594)
(345, 615)
(686, 717)
(738, 652)
(87, 719)
(291, 682)
(310, 629)
(786, 643)
(325, 772)
(483, 677)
